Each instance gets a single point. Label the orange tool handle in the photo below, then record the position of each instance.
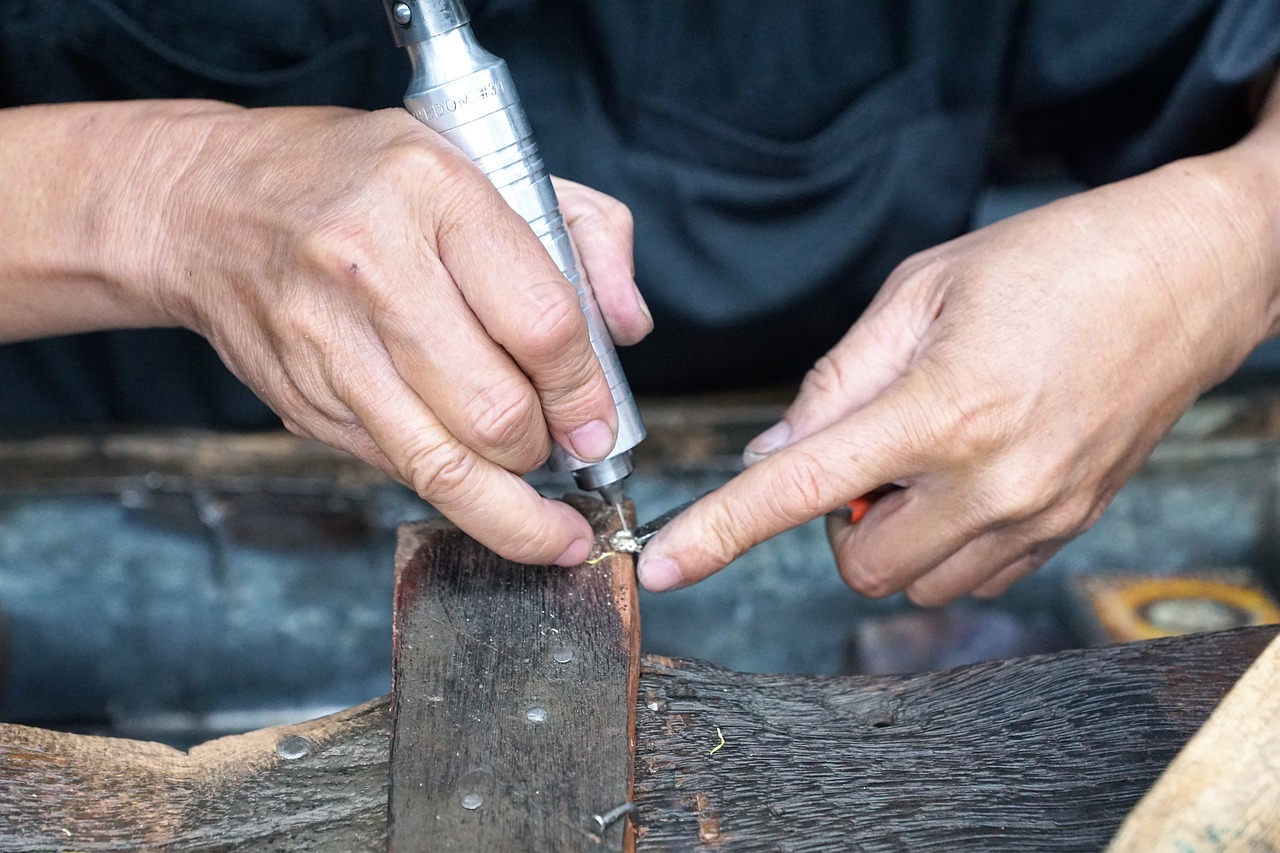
(858, 507)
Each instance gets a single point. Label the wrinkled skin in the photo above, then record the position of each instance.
(1010, 381)
(368, 283)
(353, 269)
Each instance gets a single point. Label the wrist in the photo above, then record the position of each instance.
(1243, 182)
(1211, 227)
(87, 187)
(149, 246)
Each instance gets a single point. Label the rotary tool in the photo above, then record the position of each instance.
(465, 94)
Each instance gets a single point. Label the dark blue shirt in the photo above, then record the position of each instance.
(779, 158)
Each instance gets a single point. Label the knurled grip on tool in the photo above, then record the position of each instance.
(465, 94)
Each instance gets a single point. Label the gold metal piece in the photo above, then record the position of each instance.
(718, 746)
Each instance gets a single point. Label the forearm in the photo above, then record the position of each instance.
(85, 191)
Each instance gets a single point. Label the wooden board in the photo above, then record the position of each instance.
(513, 699)
(318, 786)
(1222, 793)
(1045, 753)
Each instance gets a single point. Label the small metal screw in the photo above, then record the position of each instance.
(563, 656)
(473, 801)
(601, 822)
(293, 747)
(536, 714)
(402, 14)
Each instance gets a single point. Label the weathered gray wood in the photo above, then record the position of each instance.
(1045, 753)
(318, 786)
(513, 698)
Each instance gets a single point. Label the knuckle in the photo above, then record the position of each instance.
(913, 265)
(340, 247)
(306, 323)
(343, 240)
(460, 193)
(439, 471)
(502, 416)
(418, 154)
(526, 543)
(967, 431)
(618, 213)
(867, 581)
(1017, 493)
(802, 489)
(825, 379)
(343, 254)
(970, 425)
(554, 321)
(1074, 514)
(296, 428)
(719, 541)
(593, 208)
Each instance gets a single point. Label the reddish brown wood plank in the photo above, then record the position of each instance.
(513, 697)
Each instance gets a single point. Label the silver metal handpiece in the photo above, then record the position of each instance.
(465, 94)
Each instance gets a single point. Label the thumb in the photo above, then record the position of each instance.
(873, 354)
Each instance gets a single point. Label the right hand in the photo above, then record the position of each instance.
(365, 279)
(1010, 381)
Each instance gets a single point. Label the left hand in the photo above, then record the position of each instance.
(1011, 381)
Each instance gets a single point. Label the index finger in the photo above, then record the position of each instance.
(805, 480)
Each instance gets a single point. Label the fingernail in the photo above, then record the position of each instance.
(658, 574)
(592, 442)
(644, 307)
(774, 438)
(574, 554)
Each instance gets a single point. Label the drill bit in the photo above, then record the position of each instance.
(614, 494)
(633, 541)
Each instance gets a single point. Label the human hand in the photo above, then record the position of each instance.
(1010, 381)
(364, 279)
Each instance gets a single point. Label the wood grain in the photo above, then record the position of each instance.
(318, 786)
(1046, 753)
(1222, 792)
(1043, 753)
(513, 699)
